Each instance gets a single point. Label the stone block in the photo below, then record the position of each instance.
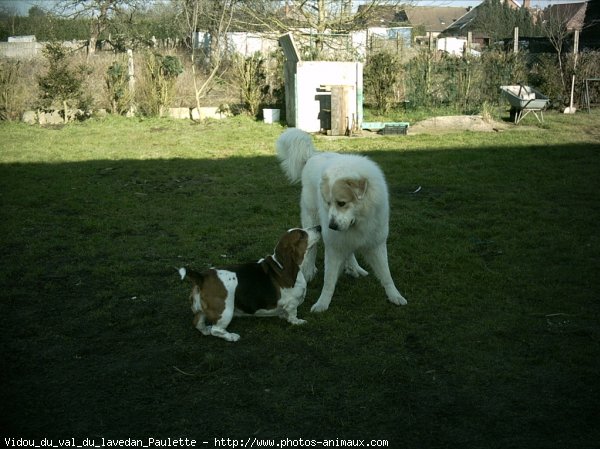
(30, 117)
(180, 113)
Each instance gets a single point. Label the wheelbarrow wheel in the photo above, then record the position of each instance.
(513, 114)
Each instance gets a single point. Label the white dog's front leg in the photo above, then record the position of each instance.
(309, 266)
(377, 258)
(309, 218)
(333, 267)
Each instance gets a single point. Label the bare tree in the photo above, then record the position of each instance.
(319, 16)
(556, 28)
(214, 17)
(99, 13)
(10, 14)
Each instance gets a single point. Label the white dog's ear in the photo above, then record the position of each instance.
(358, 186)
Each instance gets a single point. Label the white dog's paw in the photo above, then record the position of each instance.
(352, 268)
(317, 307)
(395, 297)
(321, 305)
(355, 271)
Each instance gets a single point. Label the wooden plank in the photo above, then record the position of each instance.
(289, 48)
(291, 60)
(340, 125)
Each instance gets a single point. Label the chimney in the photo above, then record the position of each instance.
(527, 4)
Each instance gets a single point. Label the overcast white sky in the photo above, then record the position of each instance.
(23, 5)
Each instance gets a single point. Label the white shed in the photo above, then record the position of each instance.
(322, 95)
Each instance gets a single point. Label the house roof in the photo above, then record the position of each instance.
(573, 13)
(434, 19)
(461, 25)
(384, 16)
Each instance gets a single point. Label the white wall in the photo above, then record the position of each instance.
(310, 76)
(452, 45)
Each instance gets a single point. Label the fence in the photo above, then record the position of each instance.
(21, 50)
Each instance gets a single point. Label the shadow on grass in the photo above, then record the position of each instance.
(497, 253)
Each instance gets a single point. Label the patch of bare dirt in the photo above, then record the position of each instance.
(456, 123)
(449, 124)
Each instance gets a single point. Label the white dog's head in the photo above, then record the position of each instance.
(343, 199)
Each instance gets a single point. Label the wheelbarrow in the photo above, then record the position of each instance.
(523, 100)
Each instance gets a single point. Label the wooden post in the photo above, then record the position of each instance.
(340, 119)
(575, 52)
(131, 80)
(469, 42)
(291, 61)
(516, 40)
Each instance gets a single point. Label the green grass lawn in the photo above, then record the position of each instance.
(497, 254)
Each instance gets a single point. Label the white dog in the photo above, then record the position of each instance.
(347, 195)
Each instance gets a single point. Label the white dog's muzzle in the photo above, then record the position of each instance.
(336, 226)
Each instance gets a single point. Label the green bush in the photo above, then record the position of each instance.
(117, 86)
(421, 73)
(249, 76)
(436, 80)
(274, 90)
(10, 72)
(546, 76)
(170, 66)
(499, 68)
(158, 90)
(382, 75)
(62, 85)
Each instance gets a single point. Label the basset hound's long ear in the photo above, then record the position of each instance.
(290, 254)
(293, 246)
(280, 269)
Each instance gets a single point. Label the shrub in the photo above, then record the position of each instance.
(545, 76)
(117, 87)
(381, 78)
(420, 78)
(274, 91)
(588, 66)
(10, 72)
(62, 85)
(158, 91)
(500, 68)
(249, 76)
(463, 83)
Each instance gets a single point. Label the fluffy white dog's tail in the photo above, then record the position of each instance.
(294, 148)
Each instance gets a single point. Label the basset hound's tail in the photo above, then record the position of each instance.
(195, 276)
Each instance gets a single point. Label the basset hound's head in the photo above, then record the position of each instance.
(291, 250)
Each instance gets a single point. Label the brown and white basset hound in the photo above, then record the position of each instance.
(273, 286)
